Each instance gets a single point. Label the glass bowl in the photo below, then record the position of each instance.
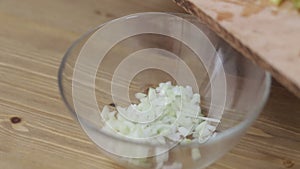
(112, 62)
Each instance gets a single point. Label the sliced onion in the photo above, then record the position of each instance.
(173, 113)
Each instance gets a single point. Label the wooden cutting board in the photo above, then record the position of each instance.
(268, 35)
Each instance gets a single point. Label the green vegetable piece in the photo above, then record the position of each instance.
(296, 3)
(276, 2)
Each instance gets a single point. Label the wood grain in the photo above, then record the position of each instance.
(267, 35)
(33, 38)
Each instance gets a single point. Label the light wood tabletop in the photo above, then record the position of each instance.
(38, 132)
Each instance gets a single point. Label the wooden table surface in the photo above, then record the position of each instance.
(38, 132)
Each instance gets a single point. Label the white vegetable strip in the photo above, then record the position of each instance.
(196, 155)
(207, 119)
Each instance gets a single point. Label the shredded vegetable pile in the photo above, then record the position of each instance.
(166, 113)
(295, 2)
